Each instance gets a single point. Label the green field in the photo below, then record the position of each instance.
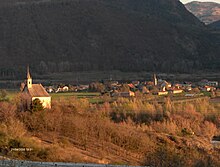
(75, 94)
(11, 94)
(93, 97)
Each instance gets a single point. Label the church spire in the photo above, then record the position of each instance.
(28, 73)
(155, 79)
(29, 79)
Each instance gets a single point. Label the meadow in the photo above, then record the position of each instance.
(93, 97)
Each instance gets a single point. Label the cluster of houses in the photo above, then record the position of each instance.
(155, 86)
(116, 89)
(66, 88)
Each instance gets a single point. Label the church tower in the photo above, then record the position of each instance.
(29, 79)
(155, 79)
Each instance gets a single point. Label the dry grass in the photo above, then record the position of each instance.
(127, 131)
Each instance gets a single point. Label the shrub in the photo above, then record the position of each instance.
(165, 156)
(36, 105)
(43, 154)
(14, 143)
(186, 132)
(3, 95)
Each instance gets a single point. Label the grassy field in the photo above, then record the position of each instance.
(75, 94)
(93, 97)
(11, 94)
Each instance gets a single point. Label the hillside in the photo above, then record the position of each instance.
(208, 12)
(215, 25)
(132, 131)
(126, 35)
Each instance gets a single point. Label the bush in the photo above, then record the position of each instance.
(166, 157)
(186, 132)
(14, 143)
(3, 95)
(36, 105)
(42, 154)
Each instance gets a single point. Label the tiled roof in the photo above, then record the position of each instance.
(131, 85)
(37, 90)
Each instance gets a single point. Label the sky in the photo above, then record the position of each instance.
(186, 1)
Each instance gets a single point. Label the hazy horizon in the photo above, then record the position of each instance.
(186, 1)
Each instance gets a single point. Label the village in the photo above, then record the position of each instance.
(155, 86)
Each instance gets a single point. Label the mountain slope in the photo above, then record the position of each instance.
(215, 25)
(127, 35)
(207, 12)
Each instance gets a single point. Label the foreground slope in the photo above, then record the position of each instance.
(128, 35)
(132, 131)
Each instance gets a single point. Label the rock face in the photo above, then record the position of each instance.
(79, 35)
(208, 12)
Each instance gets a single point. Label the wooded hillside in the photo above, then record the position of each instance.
(126, 35)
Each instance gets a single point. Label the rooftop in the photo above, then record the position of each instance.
(37, 90)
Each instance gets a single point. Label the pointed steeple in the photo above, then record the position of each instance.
(28, 73)
(155, 79)
(29, 79)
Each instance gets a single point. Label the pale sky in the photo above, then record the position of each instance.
(186, 1)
